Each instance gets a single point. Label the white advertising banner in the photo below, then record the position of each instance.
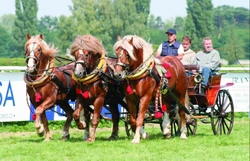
(14, 105)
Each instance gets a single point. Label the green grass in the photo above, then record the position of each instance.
(204, 145)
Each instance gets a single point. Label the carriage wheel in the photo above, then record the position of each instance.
(222, 114)
(175, 131)
(128, 127)
(192, 122)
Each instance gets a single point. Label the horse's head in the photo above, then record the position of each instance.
(82, 58)
(37, 53)
(87, 51)
(131, 52)
(32, 53)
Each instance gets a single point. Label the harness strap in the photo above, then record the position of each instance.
(58, 82)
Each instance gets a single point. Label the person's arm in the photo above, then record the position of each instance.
(158, 52)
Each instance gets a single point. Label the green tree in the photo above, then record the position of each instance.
(241, 16)
(25, 22)
(234, 51)
(143, 9)
(5, 41)
(7, 22)
(107, 19)
(66, 33)
(48, 26)
(199, 22)
(178, 23)
(223, 18)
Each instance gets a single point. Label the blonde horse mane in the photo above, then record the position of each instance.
(87, 42)
(138, 43)
(49, 51)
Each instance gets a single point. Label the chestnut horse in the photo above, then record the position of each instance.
(96, 84)
(47, 84)
(149, 79)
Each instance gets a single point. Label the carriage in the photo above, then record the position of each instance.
(215, 107)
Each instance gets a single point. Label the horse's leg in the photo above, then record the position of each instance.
(183, 128)
(98, 103)
(77, 114)
(115, 119)
(85, 116)
(166, 123)
(143, 106)
(69, 117)
(132, 110)
(45, 128)
(47, 103)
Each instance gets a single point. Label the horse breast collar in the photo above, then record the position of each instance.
(142, 70)
(94, 75)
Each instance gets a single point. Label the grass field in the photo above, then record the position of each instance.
(20, 143)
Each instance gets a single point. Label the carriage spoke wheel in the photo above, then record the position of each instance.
(192, 122)
(128, 127)
(222, 114)
(175, 131)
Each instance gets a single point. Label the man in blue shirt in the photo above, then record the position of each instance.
(171, 47)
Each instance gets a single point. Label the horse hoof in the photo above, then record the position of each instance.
(40, 134)
(47, 139)
(135, 141)
(183, 137)
(65, 138)
(113, 137)
(90, 140)
(81, 125)
(145, 135)
(167, 136)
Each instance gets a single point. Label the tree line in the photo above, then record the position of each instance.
(107, 19)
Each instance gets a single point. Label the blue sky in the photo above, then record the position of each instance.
(167, 9)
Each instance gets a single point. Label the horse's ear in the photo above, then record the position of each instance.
(41, 36)
(131, 41)
(28, 36)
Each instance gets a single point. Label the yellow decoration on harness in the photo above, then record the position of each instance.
(149, 63)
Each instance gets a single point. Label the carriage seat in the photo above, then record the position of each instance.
(191, 67)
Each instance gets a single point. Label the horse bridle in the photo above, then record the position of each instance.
(83, 59)
(32, 54)
(123, 65)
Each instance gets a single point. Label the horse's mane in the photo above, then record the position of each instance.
(138, 43)
(49, 51)
(87, 42)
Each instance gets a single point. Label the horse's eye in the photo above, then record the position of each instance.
(87, 55)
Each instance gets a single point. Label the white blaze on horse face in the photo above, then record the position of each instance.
(79, 70)
(31, 61)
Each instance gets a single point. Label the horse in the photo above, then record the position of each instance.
(97, 85)
(148, 79)
(47, 85)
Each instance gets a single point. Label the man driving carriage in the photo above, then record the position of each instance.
(209, 61)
